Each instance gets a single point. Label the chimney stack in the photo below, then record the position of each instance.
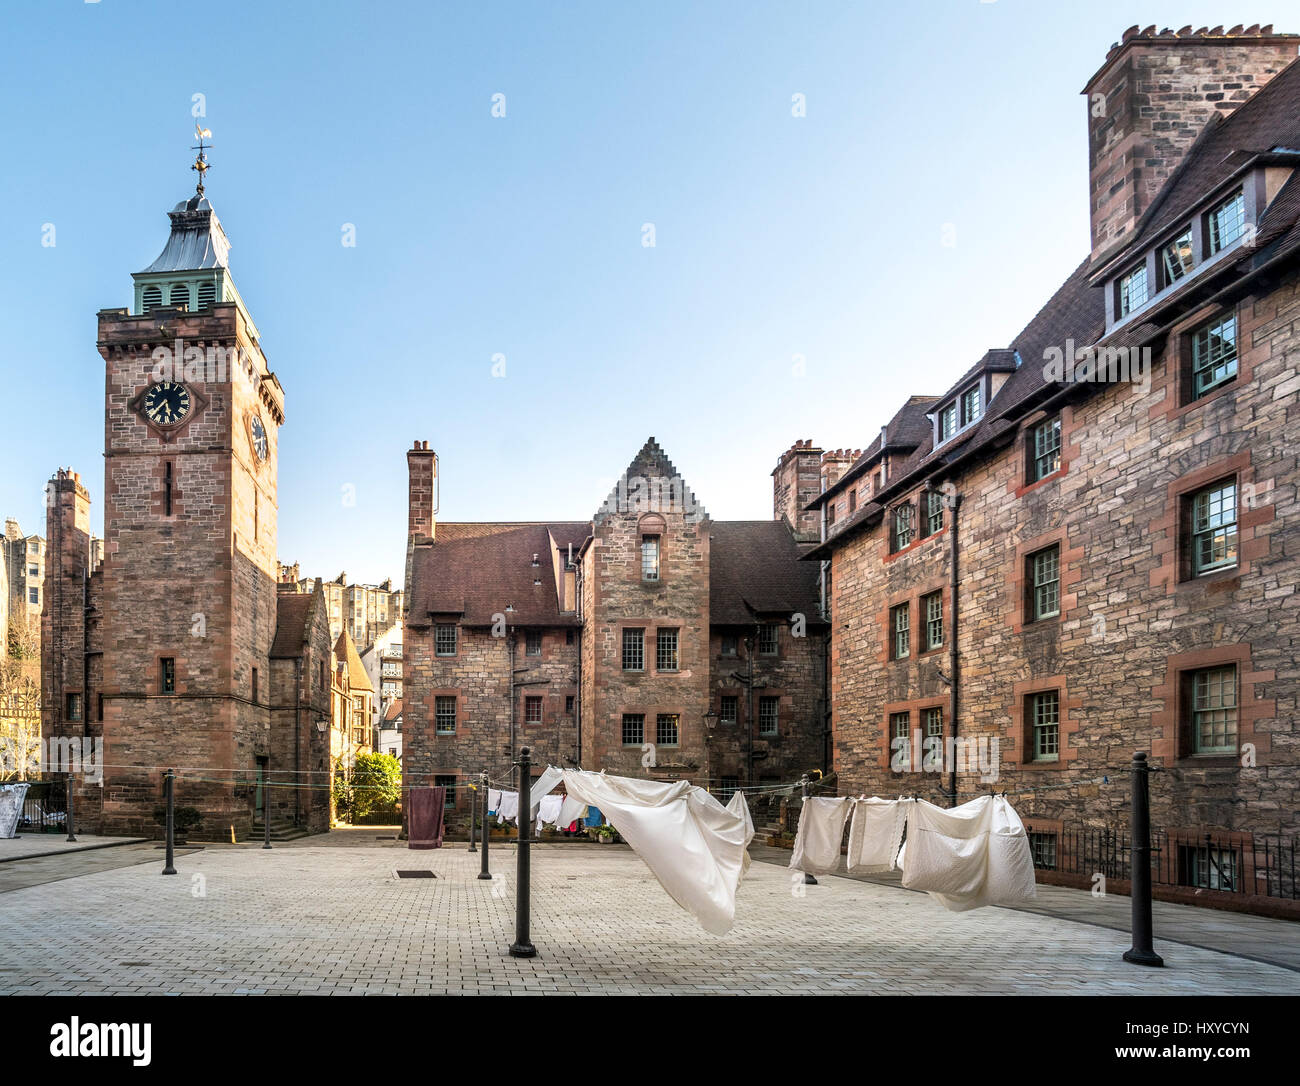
(1149, 101)
(795, 483)
(422, 472)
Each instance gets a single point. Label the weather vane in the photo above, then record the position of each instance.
(201, 163)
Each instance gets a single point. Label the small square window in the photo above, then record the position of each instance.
(650, 558)
(445, 640)
(666, 730)
(903, 528)
(1042, 847)
(1214, 354)
(1177, 257)
(447, 781)
(932, 606)
(1045, 720)
(768, 713)
(444, 715)
(1227, 222)
(533, 643)
(729, 643)
(1214, 528)
(767, 639)
(1207, 867)
(74, 707)
(1045, 449)
(633, 729)
(633, 649)
(730, 708)
(167, 675)
(900, 740)
(901, 624)
(1214, 710)
(666, 650)
(1045, 583)
(532, 709)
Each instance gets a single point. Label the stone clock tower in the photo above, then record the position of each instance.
(188, 597)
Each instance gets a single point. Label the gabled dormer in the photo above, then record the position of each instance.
(968, 400)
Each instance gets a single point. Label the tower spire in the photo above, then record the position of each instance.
(201, 163)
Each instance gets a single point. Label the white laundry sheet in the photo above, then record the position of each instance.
(548, 810)
(11, 808)
(494, 799)
(571, 810)
(508, 807)
(692, 844)
(969, 856)
(875, 834)
(737, 805)
(821, 829)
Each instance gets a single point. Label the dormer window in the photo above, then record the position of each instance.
(1227, 222)
(947, 422)
(1177, 257)
(970, 405)
(1133, 290)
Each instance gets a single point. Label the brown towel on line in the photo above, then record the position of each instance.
(425, 826)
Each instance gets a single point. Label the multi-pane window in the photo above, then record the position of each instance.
(1214, 710)
(901, 624)
(33, 595)
(167, 675)
(1214, 528)
(1133, 290)
(1176, 257)
(947, 422)
(532, 710)
(633, 729)
(666, 730)
(448, 782)
(1043, 848)
(1208, 868)
(970, 405)
(767, 639)
(933, 512)
(768, 712)
(533, 643)
(74, 707)
(727, 787)
(900, 727)
(730, 709)
(853, 500)
(444, 715)
(1045, 720)
(903, 528)
(934, 723)
(666, 650)
(932, 607)
(1227, 222)
(1045, 583)
(729, 643)
(633, 650)
(444, 640)
(650, 558)
(1214, 354)
(1046, 438)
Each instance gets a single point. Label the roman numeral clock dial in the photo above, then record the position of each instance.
(167, 403)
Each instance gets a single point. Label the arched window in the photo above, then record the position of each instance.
(651, 530)
(151, 299)
(207, 295)
(180, 295)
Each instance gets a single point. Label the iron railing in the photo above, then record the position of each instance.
(45, 808)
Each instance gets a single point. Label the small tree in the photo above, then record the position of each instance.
(376, 784)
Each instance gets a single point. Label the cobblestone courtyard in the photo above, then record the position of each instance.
(313, 917)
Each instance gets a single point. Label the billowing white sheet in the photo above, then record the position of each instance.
(969, 856)
(821, 829)
(737, 805)
(875, 834)
(692, 844)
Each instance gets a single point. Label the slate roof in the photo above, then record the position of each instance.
(754, 570)
(196, 242)
(292, 610)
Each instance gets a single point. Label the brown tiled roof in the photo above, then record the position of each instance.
(393, 711)
(291, 613)
(476, 570)
(754, 570)
(345, 650)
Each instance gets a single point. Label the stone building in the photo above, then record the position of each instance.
(1084, 546)
(179, 651)
(24, 561)
(365, 611)
(649, 641)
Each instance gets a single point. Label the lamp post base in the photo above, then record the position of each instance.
(1143, 957)
(523, 950)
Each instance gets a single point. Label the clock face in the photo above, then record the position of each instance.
(259, 438)
(167, 403)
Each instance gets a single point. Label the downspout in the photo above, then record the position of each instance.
(510, 649)
(954, 502)
(297, 740)
(751, 643)
(85, 648)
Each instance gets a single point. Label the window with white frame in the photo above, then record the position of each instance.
(1214, 710)
(768, 713)
(1214, 354)
(1133, 292)
(1227, 222)
(1214, 528)
(1045, 722)
(1177, 257)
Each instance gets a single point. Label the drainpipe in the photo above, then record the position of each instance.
(297, 739)
(954, 502)
(510, 649)
(751, 643)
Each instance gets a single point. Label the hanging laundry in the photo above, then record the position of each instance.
(692, 844)
(969, 856)
(875, 834)
(544, 785)
(821, 829)
(571, 810)
(11, 808)
(425, 825)
(593, 818)
(548, 811)
(494, 800)
(737, 805)
(508, 807)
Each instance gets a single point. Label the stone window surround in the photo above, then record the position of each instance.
(1175, 376)
(916, 501)
(1069, 572)
(651, 714)
(153, 678)
(1171, 724)
(916, 707)
(912, 597)
(650, 645)
(945, 610)
(1171, 531)
(1024, 450)
(541, 699)
(1020, 731)
(462, 704)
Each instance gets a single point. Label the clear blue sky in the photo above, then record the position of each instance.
(776, 236)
